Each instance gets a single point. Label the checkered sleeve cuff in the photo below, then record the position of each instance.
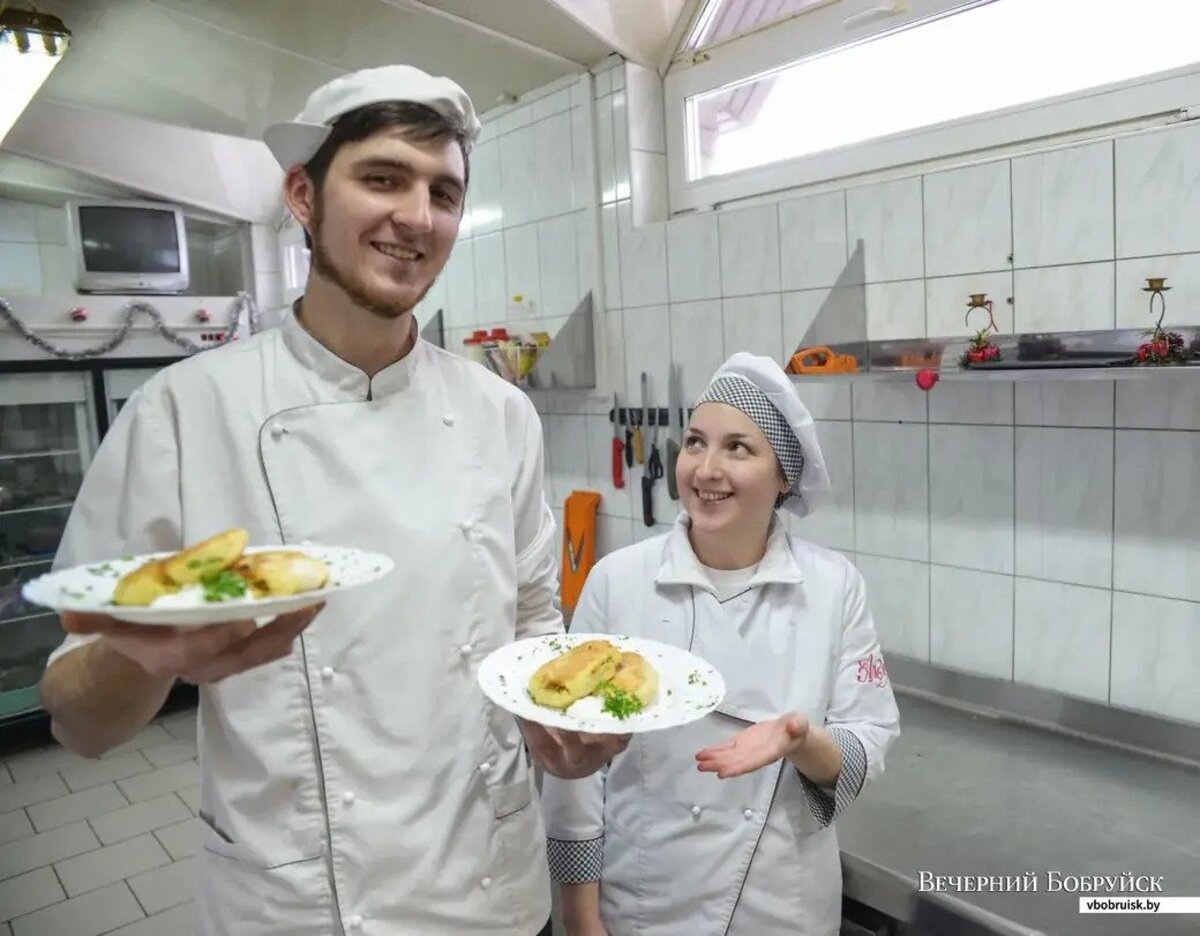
(575, 862)
(827, 804)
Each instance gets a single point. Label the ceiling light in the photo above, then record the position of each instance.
(31, 44)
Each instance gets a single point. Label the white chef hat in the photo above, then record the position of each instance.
(760, 389)
(295, 142)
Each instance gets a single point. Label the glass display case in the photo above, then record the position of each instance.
(48, 434)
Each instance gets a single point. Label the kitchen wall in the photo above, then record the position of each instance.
(1043, 533)
(36, 259)
(530, 229)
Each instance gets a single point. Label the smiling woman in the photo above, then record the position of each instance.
(798, 732)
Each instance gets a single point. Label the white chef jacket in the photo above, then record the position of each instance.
(682, 853)
(363, 784)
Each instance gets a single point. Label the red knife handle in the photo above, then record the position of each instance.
(618, 463)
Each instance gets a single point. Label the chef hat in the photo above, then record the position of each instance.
(295, 142)
(759, 388)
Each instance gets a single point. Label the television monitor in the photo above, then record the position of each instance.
(128, 247)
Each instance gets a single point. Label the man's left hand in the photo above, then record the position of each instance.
(570, 755)
(755, 747)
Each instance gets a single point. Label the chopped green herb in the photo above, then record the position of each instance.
(223, 586)
(618, 702)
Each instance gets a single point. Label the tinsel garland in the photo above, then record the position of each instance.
(129, 313)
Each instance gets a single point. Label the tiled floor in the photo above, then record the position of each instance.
(97, 847)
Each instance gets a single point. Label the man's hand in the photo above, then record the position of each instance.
(755, 747)
(570, 755)
(197, 654)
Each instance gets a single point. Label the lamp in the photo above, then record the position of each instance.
(31, 44)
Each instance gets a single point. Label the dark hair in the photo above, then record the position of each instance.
(420, 123)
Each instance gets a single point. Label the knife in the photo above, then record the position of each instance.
(674, 440)
(618, 447)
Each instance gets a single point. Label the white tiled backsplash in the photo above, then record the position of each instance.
(1045, 532)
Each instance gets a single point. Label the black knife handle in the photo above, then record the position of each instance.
(628, 448)
(647, 500)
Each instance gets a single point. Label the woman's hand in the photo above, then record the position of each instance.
(755, 747)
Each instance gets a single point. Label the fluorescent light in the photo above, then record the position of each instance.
(31, 44)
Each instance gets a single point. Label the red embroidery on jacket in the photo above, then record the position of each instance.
(872, 670)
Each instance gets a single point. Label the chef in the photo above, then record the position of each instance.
(354, 779)
(727, 825)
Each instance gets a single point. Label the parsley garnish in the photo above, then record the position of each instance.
(618, 702)
(222, 586)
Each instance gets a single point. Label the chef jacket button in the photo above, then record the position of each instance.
(277, 432)
(354, 922)
(485, 767)
(695, 810)
(467, 526)
(465, 650)
(448, 420)
(327, 673)
(485, 883)
(348, 797)
(748, 814)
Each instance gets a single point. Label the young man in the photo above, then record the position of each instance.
(354, 778)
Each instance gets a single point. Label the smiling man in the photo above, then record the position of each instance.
(354, 778)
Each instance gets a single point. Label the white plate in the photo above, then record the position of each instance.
(89, 589)
(688, 687)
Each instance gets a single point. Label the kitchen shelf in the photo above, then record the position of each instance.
(1035, 357)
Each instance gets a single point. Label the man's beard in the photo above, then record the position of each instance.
(352, 285)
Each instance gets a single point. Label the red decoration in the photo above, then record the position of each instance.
(79, 314)
(981, 350)
(202, 315)
(1164, 347)
(926, 379)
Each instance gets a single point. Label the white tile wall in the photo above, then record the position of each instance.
(891, 490)
(895, 310)
(898, 595)
(1062, 638)
(946, 303)
(1070, 298)
(967, 220)
(812, 239)
(749, 251)
(697, 343)
(753, 324)
(1156, 514)
(1064, 505)
(693, 258)
(1158, 192)
(1159, 637)
(1062, 206)
(971, 621)
(971, 497)
(887, 218)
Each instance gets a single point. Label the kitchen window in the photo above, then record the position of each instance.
(851, 87)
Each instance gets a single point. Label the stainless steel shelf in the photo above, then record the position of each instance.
(53, 453)
(1028, 375)
(1033, 357)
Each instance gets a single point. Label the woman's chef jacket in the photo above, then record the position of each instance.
(682, 853)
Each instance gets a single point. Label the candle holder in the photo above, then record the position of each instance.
(981, 350)
(1164, 347)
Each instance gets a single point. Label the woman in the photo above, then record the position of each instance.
(725, 826)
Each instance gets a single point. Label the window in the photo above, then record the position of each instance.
(720, 20)
(945, 65)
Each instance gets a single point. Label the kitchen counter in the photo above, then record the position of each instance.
(966, 793)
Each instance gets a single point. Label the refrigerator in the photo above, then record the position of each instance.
(54, 412)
